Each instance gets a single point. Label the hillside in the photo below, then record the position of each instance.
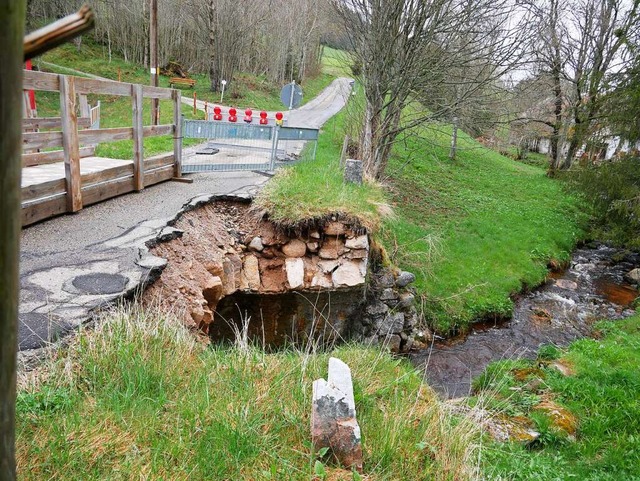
(246, 91)
(475, 231)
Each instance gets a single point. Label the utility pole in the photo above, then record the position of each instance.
(11, 58)
(153, 61)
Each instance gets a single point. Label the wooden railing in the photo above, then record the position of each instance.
(76, 143)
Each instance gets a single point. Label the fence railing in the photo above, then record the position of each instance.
(44, 200)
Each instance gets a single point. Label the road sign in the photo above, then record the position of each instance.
(291, 95)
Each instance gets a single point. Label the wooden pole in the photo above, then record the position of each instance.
(138, 150)
(153, 50)
(11, 58)
(177, 134)
(70, 143)
(195, 104)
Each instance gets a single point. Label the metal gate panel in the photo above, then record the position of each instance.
(237, 146)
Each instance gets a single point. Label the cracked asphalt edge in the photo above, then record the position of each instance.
(79, 311)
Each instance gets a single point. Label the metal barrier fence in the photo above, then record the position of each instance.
(238, 146)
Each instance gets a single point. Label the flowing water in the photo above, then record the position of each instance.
(562, 310)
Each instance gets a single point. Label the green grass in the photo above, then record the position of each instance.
(244, 91)
(604, 395)
(336, 62)
(314, 189)
(141, 398)
(475, 230)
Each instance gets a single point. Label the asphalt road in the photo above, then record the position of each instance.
(72, 264)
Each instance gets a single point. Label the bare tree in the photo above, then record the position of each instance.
(412, 48)
(579, 43)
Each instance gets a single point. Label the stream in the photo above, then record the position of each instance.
(561, 310)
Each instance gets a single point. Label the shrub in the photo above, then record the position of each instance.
(613, 191)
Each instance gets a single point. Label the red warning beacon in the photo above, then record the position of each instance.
(279, 120)
(233, 117)
(217, 113)
(263, 118)
(248, 116)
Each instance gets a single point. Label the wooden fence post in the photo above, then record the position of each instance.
(177, 134)
(70, 143)
(11, 59)
(84, 106)
(138, 148)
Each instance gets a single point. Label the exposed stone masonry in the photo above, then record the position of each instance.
(223, 250)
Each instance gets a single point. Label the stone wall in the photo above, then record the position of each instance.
(226, 267)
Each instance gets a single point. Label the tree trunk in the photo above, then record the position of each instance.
(11, 38)
(213, 71)
(454, 140)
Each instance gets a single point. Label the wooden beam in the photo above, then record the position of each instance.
(41, 140)
(157, 161)
(70, 143)
(42, 158)
(95, 136)
(153, 54)
(161, 93)
(156, 130)
(105, 87)
(177, 133)
(37, 211)
(33, 80)
(52, 123)
(138, 148)
(45, 189)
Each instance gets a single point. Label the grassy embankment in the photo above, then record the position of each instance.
(475, 231)
(598, 400)
(139, 398)
(246, 91)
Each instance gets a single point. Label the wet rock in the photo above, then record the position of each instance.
(406, 300)
(360, 242)
(377, 309)
(295, 272)
(388, 295)
(294, 248)
(405, 278)
(634, 276)
(566, 284)
(391, 323)
(333, 416)
(256, 244)
(393, 342)
(348, 274)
